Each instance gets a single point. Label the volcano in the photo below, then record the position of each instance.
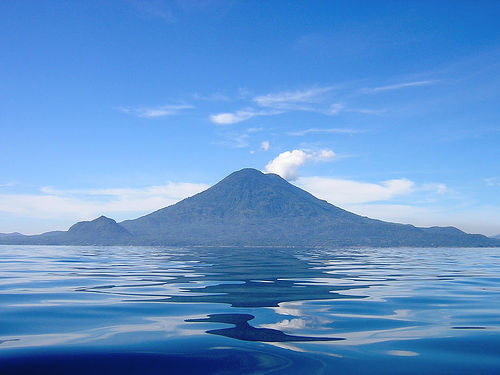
(250, 208)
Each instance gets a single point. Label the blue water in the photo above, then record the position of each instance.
(143, 310)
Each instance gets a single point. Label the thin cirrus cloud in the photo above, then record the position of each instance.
(238, 139)
(287, 163)
(334, 109)
(315, 99)
(324, 131)
(492, 181)
(8, 184)
(291, 99)
(156, 112)
(282, 102)
(397, 86)
(154, 9)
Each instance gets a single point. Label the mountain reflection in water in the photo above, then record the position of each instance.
(244, 331)
(260, 278)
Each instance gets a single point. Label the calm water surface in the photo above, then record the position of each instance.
(143, 310)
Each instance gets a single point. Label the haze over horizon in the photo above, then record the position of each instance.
(119, 108)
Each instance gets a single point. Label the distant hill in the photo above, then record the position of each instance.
(102, 230)
(14, 234)
(497, 236)
(251, 208)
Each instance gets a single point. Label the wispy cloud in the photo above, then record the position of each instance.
(238, 139)
(366, 111)
(282, 102)
(175, 10)
(80, 204)
(215, 97)
(398, 86)
(235, 140)
(291, 100)
(8, 184)
(288, 163)
(229, 118)
(492, 181)
(334, 109)
(155, 112)
(326, 100)
(155, 8)
(264, 145)
(437, 188)
(324, 130)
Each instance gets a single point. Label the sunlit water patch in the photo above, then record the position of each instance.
(143, 310)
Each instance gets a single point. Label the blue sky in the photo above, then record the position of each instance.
(388, 109)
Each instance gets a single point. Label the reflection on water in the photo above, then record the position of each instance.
(244, 331)
(141, 310)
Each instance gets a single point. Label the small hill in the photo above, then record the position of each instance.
(103, 231)
(100, 231)
(14, 234)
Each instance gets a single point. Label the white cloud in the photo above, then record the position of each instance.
(84, 204)
(340, 191)
(325, 130)
(264, 145)
(398, 86)
(229, 118)
(287, 163)
(156, 112)
(324, 155)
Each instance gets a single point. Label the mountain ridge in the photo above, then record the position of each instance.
(250, 208)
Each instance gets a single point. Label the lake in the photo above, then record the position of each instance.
(145, 310)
